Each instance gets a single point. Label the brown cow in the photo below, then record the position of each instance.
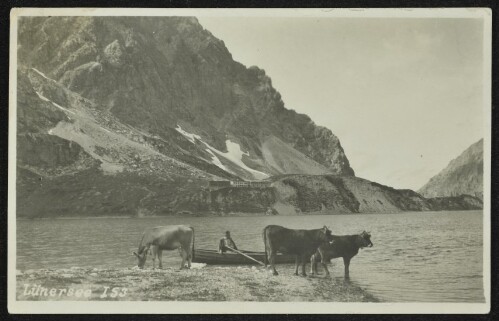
(301, 243)
(345, 246)
(168, 238)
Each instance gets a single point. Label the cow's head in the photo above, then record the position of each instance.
(365, 240)
(325, 234)
(141, 258)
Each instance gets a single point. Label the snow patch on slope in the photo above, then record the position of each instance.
(50, 101)
(42, 74)
(193, 137)
(189, 136)
(73, 133)
(216, 161)
(234, 154)
(42, 97)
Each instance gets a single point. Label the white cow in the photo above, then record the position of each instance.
(169, 238)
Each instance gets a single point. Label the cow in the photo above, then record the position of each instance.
(345, 246)
(171, 237)
(301, 243)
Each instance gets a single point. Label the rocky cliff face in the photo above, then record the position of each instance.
(165, 76)
(332, 194)
(88, 194)
(133, 116)
(463, 175)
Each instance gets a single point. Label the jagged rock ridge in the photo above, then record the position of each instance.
(161, 73)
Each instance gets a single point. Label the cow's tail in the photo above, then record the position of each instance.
(193, 247)
(266, 261)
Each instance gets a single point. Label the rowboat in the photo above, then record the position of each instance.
(215, 258)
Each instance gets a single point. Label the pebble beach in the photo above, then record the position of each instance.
(200, 283)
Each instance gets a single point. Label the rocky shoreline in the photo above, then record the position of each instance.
(201, 283)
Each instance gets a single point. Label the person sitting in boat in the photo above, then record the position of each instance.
(226, 243)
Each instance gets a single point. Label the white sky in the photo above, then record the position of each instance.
(404, 96)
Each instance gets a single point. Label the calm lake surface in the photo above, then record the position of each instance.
(431, 256)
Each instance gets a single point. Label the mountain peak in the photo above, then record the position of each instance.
(463, 175)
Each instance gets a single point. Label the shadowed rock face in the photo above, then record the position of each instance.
(139, 194)
(463, 175)
(157, 73)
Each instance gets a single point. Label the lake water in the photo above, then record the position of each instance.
(431, 256)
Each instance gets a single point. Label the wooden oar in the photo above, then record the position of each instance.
(249, 257)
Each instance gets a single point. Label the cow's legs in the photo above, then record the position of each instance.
(346, 262)
(303, 265)
(313, 264)
(272, 261)
(184, 258)
(189, 259)
(160, 258)
(153, 254)
(324, 264)
(297, 263)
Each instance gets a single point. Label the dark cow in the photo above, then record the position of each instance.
(345, 246)
(301, 243)
(169, 238)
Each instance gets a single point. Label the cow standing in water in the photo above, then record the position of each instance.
(345, 246)
(169, 238)
(301, 243)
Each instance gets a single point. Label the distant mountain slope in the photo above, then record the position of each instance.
(463, 175)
